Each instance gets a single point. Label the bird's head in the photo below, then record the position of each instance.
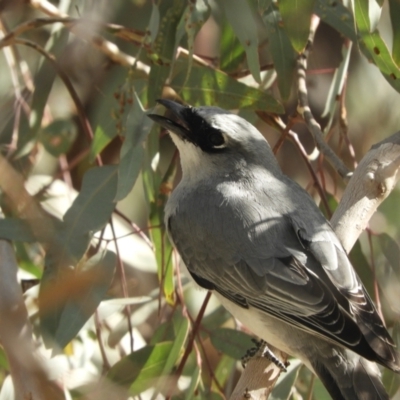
(214, 138)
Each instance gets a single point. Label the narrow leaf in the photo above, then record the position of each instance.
(141, 369)
(164, 46)
(231, 342)
(58, 137)
(337, 16)
(374, 47)
(100, 140)
(207, 86)
(131, 157)
(296, 16)
(240, 16)
(15, 229)
(394, 18)
(282, 52)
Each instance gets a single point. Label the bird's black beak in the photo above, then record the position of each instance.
(176, 124)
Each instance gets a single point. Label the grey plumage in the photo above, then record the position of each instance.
(253, 236)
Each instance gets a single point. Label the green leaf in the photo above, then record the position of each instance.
(394, 18)
(100, 140)
(164, 47)
(337, 16)
(374, 47)
(207, 86)
(15, 229)
(45, 76)
(241, 18)
(97, 274)
(194, 383)
(391, 251)
(154, 22)
(232, 52)
(141, 369)
(92, 208)
(390, 379)
(181, 330)
(58, 137)
(337, 84)
(224, 370)
(362, 266)
(282, 52)
(296, 16)
(231, 342)
(285, 382)
(195, 15)
(131, 156)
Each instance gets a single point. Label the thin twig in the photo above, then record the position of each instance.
(122, 277)
(305, 110)
(189, 346)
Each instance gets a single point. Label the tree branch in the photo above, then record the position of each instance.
(371, 183)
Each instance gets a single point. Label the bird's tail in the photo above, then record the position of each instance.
(347, 376)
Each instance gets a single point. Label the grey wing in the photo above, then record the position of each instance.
(277, 279)
(330, 255)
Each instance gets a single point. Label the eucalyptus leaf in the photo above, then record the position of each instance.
(296, 16)
(16, 229)
(241, 18)
(58, 137)
(207, 86)
(395, 20)
(337, 16)
(97, 274)
(232, 342)
(141, 369)
(282, 51)
(132, 150)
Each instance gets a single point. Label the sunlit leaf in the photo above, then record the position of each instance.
(207, 86)
(374, 47)
(232, 52)
(296, 16)
(232, 342)
(195, 15)
(241, 18)
(141, 369)
(224, 370)
(164, 46)
(100, 140)
(195, 380)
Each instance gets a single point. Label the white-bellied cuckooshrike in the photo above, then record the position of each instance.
(257, 240)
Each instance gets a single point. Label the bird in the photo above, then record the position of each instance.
(258, 241)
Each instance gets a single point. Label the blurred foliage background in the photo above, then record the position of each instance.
(113, 315)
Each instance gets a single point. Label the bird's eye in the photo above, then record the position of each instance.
(216, 140)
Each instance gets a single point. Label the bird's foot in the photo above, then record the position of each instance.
(261, 348)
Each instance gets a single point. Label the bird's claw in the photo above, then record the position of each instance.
(261, 348)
